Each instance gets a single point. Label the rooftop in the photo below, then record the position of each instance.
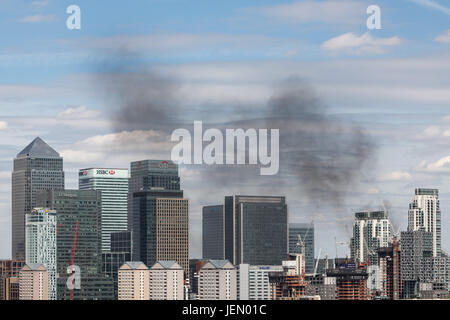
(40, 149)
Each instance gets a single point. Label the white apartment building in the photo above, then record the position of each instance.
(371, 230)
(424, 213)
(40, 243)
(134, 281)
(217, 281)
(166, 281)
(253, 281)
(33, 282)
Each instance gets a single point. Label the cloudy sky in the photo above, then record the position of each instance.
(222, 62)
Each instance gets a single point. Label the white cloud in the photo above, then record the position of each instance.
(80, 156)
(78, 113)
(442, 165)
(364, 44)
(3, 125)
(39, 3)
(331, 11)
(38, 18)
(431, 132)
(433, 5)
(396, 176)
(444, 38)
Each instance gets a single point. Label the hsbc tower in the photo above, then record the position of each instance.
(113, 183)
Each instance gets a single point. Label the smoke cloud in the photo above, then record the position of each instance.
(320, 155)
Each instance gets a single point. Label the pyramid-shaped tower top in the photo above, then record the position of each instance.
(38, 148)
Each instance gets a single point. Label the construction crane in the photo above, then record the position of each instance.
(342, 243)
(317, 261)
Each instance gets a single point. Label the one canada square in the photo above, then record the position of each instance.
(37, 167)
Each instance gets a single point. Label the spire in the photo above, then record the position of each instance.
(39, 148)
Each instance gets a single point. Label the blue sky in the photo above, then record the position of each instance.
(393, 82)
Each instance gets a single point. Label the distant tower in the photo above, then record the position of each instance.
(424, 212)
(37, 167)
(40, 238)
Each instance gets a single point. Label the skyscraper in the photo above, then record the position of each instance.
(371, 230)
(256, 229)
(40, 235)
(78, 213)
(424, 212)
(306, 233)
(37, 167)
(113, 183)
(158, 215)
(213, 244)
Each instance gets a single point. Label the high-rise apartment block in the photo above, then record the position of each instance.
(166, 281)
(158, 213)
(217, 281)
(33, 282)
(40, 236)
(113, 183)
(134, 281)
(306, 233)
(37, 167)
(424, 212)
(371, 230)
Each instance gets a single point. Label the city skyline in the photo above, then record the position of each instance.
(226, 61)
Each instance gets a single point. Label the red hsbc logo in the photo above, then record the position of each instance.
(112, 172)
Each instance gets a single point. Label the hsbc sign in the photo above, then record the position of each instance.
(104, 173)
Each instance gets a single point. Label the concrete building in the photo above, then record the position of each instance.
(134, 281)
(113, 183)
(213, 240)
(78, 242)
(306, 232)
(158, 213)
(425, 213)
(9, 279)
(217, 281)
(37, 167)
(33, 282)
(256, 229)
(253, 281)
(290, 283)
(166, 281)
(40, 239)
(371, 230)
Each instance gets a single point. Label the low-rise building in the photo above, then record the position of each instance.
(134, 281)
(33, 282)
(166, 281)
(217, 281)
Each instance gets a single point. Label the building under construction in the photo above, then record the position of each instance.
(290, 283)
(391, 284)
(351, 281)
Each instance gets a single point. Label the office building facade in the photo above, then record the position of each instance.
(37, 167)
(253, 281)
(40, 238)
(158, 213)
(78, 240)
(256, 229)
(213, 232)
(113, 183)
